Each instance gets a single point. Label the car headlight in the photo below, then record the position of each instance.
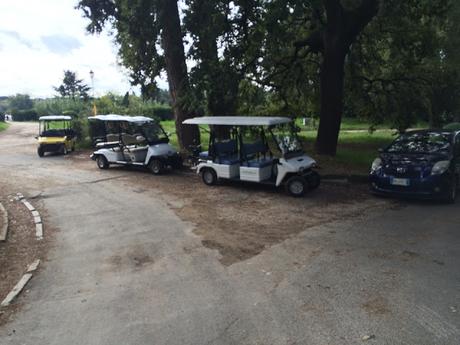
(376, 164)
(440, 167)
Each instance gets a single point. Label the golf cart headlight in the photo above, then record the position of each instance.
(440, 167)
(376, 164)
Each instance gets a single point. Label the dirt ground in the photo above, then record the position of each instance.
(240, 220)
(19, 250)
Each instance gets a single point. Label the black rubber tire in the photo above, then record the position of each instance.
(102, 162)
(452, 196)
(209, 176)
(156, 166)
(296, 186)
(40, 151)
(313, 180)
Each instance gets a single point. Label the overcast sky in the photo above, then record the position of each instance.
(39, 39)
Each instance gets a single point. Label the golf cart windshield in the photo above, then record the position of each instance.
(286, 138)
(153, 132)
(55, 128)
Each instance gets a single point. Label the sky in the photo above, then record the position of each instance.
(39, 39)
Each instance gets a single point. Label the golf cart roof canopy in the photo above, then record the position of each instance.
(55, 118)
(121, 118)
(238, 120)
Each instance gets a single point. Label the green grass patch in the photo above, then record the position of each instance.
(3, 126)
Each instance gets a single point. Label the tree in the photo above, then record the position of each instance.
(142, 26)
(72, 87)
(20, 102)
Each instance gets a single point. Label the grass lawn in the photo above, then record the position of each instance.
(355, 151)
(3, 126)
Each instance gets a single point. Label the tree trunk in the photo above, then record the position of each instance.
(332, 80)
(176, 69)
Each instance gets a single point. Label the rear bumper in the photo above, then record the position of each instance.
(56, 147)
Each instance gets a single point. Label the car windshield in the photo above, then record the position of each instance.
(286, 139)
(153, 132)
(421, 142)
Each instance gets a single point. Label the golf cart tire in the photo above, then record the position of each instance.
(156, 166)
(40, 152)
(296, 186)
(209, 176)
(102, 162)
(313, 180)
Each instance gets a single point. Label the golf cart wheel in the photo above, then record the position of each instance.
(452, 194)
(156, 167)
(296, 186)
(209, 176)
(313, 180)
(40, 152)
(102, 162)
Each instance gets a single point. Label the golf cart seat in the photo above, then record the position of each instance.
(204, 155)
(227, 152)
(255, 155)
(258, 163)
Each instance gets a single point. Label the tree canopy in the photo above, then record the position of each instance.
(72, 87)
(392, 61)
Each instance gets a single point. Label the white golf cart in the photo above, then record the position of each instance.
(241, 149)
(132, 140)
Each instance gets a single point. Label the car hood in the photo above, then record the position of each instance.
(398, 159)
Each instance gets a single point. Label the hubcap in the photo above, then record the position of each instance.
(296, 187)
(156, 168)
(100, 162)
(208, 177)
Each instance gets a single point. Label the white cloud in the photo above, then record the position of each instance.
(41, 39)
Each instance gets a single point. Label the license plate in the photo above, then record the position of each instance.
(399, 181)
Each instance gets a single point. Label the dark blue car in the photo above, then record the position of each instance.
(423, 163)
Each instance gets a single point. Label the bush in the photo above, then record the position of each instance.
(25, 115)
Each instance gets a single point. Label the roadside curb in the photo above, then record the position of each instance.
(3, 223)
(21, 284)
(35, 214)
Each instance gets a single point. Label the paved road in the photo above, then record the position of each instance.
(126, 270)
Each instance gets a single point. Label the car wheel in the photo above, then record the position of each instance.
(296, 186)
(209, 176)
(102, 162)
(313, 180)
(450, 198)
(156, 167)
(40, 152)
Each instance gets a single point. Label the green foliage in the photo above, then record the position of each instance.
(72, 87)
(24, 115)
(19, 102)
(3, 126)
